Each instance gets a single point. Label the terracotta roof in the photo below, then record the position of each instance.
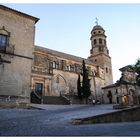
(64, 55)
(19, 13)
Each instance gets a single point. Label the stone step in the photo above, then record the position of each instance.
(60, 100)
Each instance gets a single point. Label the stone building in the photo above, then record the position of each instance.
(17, 31)
(125, 91)
(46, 72)
(55, 73)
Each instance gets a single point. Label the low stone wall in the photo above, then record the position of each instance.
(13, 101)
(125, 115)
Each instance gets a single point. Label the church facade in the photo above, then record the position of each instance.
(26, 67)
(125, 91)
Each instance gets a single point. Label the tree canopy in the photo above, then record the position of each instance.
(137, 70)
(84, 90)
(79, 88)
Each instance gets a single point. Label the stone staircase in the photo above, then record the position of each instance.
(57, 100)
(35, 98)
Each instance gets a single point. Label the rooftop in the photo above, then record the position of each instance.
(19, 13)
(64, 55)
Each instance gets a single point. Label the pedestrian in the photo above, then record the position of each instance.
(93, 102)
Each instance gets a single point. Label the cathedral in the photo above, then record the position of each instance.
(27, 68)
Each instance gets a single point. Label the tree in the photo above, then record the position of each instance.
(137, 70)
(79, 88)
(86, 82)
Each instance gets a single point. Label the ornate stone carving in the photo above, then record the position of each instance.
(128, 74)
(41, 70)
(40, 60)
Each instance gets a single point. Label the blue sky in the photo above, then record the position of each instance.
(67, 27)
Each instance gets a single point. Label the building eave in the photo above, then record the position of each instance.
(19, 13)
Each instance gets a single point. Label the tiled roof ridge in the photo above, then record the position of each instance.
(65, 55)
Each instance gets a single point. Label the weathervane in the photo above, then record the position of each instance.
(96, 21)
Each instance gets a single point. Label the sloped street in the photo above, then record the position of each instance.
(55, 120)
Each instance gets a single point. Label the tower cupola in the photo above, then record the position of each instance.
(98, 41)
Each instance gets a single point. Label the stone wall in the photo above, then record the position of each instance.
(125, 115)
(15, 77)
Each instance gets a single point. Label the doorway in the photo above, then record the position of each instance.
(109, 95)
(39, 89)
(36, 95)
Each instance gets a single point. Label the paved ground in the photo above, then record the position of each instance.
(55, 121)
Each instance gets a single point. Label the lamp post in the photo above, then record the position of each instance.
(94, 81)
(57, 81)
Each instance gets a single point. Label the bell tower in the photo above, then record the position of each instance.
(99, 53)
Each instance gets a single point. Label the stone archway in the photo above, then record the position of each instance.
(59, 85)
(132, 97)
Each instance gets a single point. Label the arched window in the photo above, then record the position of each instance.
(100, 41)
(94, 41)
(57, 65)
(54, 64)
(106, 70)
(68, 67)
(72, 68)
(105, 42)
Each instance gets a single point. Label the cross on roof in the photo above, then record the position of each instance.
(96, 21)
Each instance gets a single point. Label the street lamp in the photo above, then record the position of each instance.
(94, 81)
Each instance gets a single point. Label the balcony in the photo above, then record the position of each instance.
(7, 49)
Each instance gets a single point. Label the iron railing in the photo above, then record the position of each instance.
(8, 49)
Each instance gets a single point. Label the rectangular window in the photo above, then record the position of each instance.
(3, 42)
